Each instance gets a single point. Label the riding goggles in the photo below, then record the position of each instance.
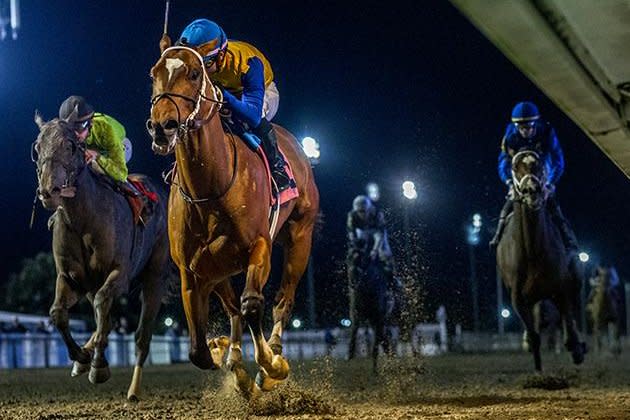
(80, 126)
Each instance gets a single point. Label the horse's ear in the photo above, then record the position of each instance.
(39, 120)
(165, 43)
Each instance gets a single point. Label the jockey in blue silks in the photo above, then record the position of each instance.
(247, 81)
(528, 132)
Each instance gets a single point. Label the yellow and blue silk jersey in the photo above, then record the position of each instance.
(236, 64)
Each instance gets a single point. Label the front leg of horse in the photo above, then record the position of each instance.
(103, 299)
(195, 300)
(273, 366)
(65, 298)
(526, 313)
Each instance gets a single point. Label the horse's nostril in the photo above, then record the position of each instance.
(149, 124)
(170, 125)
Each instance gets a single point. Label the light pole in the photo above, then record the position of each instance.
(584, 259)
(472, 238)
(410, 194)
(311, 149)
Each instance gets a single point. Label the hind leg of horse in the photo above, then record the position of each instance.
(115, 283)
(526, 314)
(195, 301)
(153, 289)
(65, 298)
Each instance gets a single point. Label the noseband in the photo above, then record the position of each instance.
(191, 123)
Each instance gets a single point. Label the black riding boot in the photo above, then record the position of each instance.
(267, 135)
(568, 237)
(505, 211)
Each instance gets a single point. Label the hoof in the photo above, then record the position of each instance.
(99, 375)
(132, 398)
(203, 360)
(244, 383)
(265, 382)
(218, 347)
(79, 368)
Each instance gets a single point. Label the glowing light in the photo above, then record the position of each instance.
(409, 190)
(584, 257)
(296, 323)
(373, 191)
(168, 321)
(505, 313)
(346, 322)
(311, 147)
(476, 220)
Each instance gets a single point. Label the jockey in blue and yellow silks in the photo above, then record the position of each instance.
(246, 79)
(528, 132)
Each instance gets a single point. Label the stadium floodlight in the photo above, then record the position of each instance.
(296, 323)
(345, 322)
(168, 321)
(409, 190)
(505, 313)
(584, 257)
(311, 148)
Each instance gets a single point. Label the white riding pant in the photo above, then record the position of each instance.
(271, 102)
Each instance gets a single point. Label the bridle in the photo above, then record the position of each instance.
(191, 122)
(519, 183)
(72, 171)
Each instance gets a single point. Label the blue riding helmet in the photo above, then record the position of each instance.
(524, 112)
(202, 31)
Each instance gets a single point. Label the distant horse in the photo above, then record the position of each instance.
(219, 210)
(97, 248)
(603, 308)
(533, 261)
(370, 304)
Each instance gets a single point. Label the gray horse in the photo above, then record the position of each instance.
(533, 261)
(97, 248)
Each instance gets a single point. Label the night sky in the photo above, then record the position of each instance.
(391, 90)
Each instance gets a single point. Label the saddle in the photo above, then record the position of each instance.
(254, 143)
(142, 205)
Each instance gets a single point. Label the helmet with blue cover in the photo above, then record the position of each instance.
(204, 32)
(525, 112)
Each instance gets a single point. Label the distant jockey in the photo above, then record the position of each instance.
(246, 80)
(528, 131)
(367, 238)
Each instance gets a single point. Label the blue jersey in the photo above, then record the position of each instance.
(544, 142)
(247, 107)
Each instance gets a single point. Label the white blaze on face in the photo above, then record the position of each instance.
(173, 64)
(529, 159)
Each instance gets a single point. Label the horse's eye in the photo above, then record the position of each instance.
(194, 74)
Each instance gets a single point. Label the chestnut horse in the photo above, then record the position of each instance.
(533, 261)
(219, 209)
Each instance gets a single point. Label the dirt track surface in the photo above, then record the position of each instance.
(448, 387)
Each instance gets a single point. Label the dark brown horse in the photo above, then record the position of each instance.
(603, 306)
(219, 211)
(97, 249)
(532, 258)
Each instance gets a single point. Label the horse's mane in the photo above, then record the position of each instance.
(52, 134)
